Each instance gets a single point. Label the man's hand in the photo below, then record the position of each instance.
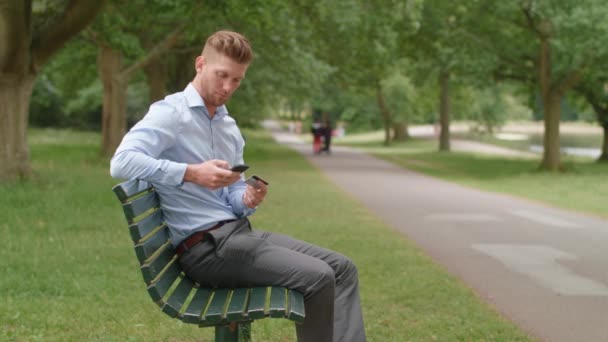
(212, 174)
(252, 197)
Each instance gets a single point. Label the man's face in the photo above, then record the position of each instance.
(217, 77)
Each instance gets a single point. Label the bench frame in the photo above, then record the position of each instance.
(230, 310)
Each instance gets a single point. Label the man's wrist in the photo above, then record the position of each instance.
(188, 174)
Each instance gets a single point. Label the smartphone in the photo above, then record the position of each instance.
(239, 168)
(253, 181)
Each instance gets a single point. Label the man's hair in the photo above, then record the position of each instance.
(230, 44)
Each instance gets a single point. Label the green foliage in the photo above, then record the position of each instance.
(46, 106)
(84, 109)
(70, 78)
(490, 109)
(355, 106)
(577, 32)
(405, 100)
(131, 26)
(285, 66)
(46, 13)
(331, 55)
(442, 42)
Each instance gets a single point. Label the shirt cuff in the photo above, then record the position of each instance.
(174, 174)
(239, 206)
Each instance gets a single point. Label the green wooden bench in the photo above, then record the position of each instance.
(229, 310)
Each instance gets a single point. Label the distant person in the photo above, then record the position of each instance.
(185, 146)
(317, 134)
(327, 132)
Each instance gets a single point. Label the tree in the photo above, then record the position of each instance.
(31, 32)
(404, 100)
(549, 46)
(119, 41)
(444, 50)
(362, 43)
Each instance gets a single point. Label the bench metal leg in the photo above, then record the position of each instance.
(234, 332)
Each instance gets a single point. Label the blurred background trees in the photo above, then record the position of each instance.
(369, 64)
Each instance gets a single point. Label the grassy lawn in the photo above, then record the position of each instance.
(68, 272)
(583, 187)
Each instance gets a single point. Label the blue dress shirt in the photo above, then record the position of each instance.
(175, 132)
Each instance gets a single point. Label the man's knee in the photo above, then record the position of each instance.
(346, 270)
(324, 277)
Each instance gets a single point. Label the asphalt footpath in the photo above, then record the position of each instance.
(545, 269)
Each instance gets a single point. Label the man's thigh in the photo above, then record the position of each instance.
(256, 258)
(334, 259)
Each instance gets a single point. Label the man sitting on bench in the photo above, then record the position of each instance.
(185, 146)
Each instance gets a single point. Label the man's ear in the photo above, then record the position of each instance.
(199, 63)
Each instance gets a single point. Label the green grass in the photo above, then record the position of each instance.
(68, 271)
(582, 187)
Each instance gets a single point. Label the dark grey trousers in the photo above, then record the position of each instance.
(237, 256)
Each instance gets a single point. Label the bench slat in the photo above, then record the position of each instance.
(178, 297)
(197, 305)
(215, 312)
(158, 289)
(296, 306)
(142, 228)
(140, 205)
(237, 310)
(130, 188)
(152, 268)
(277, 302)
(147, 248)
(257, 302)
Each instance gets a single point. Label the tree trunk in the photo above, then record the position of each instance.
(157, 74)
(551, 153)
(114, 118)
(551, 107)
(444, 110)
(22, 54)
(15, 93)
(604, 155)
(386, 114)
(601, 110)
(400, 131)
(115, 80)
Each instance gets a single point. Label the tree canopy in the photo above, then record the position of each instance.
(387, 63)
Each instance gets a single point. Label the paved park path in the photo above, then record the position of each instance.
(544, 268)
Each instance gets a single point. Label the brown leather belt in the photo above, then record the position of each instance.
(197, 237)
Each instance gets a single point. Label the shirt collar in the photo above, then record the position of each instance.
(194, 99)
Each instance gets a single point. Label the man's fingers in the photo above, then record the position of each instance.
(221, 164)
(252, 198)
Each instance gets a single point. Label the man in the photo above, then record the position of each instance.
(186, 145)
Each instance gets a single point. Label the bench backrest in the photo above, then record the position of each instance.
(151, 238)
